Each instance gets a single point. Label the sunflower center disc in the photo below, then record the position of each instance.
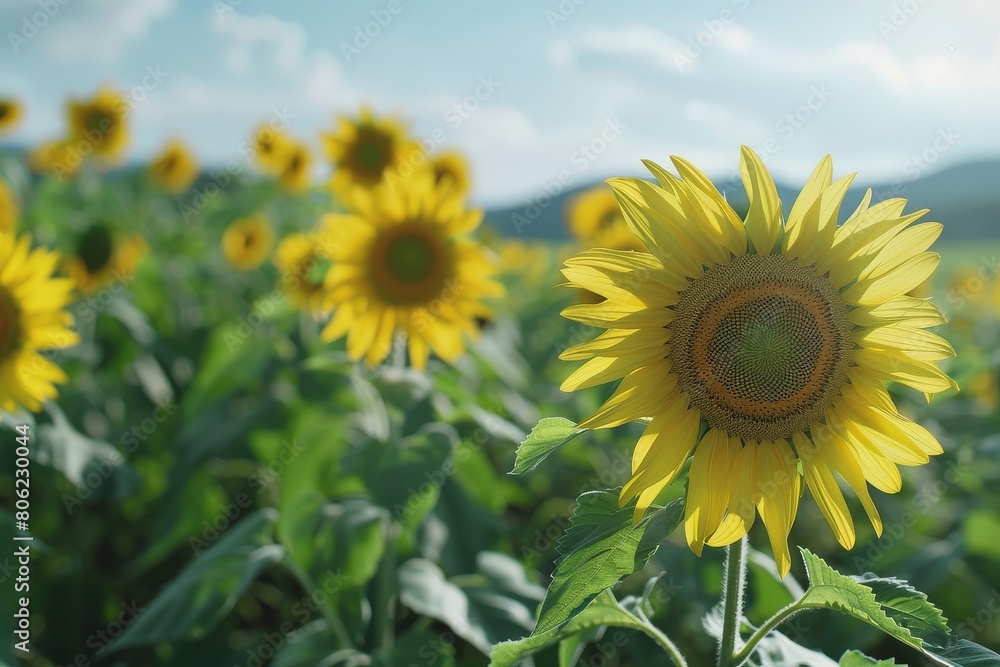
(410, 264)
(8, 324)
(95, 248)
(373, 152)
(98, 121)
(761, 346)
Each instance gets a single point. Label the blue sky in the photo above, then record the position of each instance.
(891, 89)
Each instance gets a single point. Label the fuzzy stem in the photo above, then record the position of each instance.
(732, 601)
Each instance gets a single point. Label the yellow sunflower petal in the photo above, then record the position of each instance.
(708, 486)
(764, 217)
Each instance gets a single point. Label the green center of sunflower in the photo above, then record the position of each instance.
(4, 110)
(9, 324)
(609, 219)
(410, 264)
(410, 259)
(761, 346)
(372, 153)
(97, 120)
(95, 248)
(170, 163)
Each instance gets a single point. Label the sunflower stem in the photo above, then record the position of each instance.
(732, 601)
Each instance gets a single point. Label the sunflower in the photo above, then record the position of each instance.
(101, 256)
(32, 319)
(302, 263)
(366, 150)
(595, 219)
(54, 158)
(100, 123)
(175, 167)
(10, 114)
(451, 166)
(247, 242)
(8, 210)
(296, 163)
(761, 348)
(402, 262)
(268, 148)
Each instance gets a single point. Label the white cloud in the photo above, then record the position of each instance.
(283, 42)
(639, 43)
(104, 33)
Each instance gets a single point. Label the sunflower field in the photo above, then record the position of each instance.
(253, 417)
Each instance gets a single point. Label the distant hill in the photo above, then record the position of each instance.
(965, 198)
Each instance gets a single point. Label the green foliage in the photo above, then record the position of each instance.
(247, 485)
(549, 435)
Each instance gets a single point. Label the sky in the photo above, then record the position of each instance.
(539, 94)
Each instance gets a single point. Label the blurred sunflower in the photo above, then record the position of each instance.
(403, 263)
(531, 261)
(296, 164)
(594, 218)
(10, 114)
(984, 388)
(761, 347)
(247, 242)
(54, 158)
(32, 319)
(302, 264)
(100, 123)
(451, 167)
(101, 256)
(8, 210)
(175, 167)
(269, 148)
(366, 150)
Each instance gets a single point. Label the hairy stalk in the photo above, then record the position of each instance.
(732, 601)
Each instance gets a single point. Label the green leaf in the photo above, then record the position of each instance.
(315, 645)
(550, 434)
(492, 605)
(858, 659)
(194, 603)
(828, 589)
(232, 361)
(601, 547)
(604, 610)
(62, 447)
(963, 653)
(423, 647)
(342, 540)
(909, 608)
